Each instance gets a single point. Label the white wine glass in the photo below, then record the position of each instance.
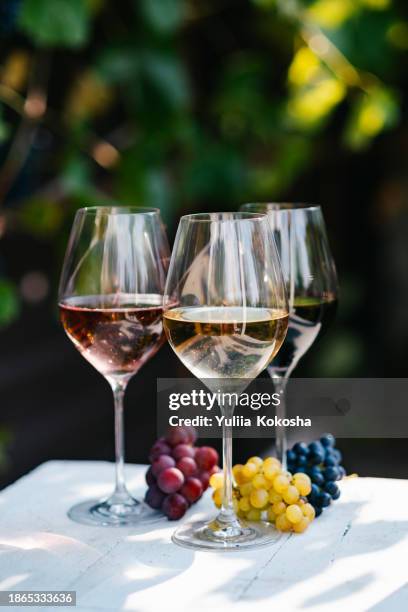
(311, 281)
(110, 302)
(225, 316)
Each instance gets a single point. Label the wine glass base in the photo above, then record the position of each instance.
(244, 535)
(101, 513)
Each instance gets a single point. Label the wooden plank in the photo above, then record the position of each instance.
(355, 554)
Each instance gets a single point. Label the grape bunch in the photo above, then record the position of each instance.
(179, 472)
(320, 460)
(263, 491)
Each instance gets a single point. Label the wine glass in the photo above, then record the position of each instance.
(310, 276)
(110, 303)
(225, 316)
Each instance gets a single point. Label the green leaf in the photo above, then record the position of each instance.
(4, 129)
(371, 114)
(41, 217)
(215, 173)
(166, 74)
(76, 173)
(59, 23)
(164, 16)
(9, 303)
(119, 64)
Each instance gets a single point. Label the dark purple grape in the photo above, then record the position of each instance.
(316, 447)
(313, 494)
(150, 478)
(161, 463)
(159, 448)
(318, 510)
(291, 456)
(342, 472)
(323, 499)
(154, 497)
(331, 473)
(302, 461)
(316, 457)
(183, 450)
(332, 489)
(317, 478)
(301, 448)
(177, 435)
(174, 506)
(330, 461)
(328, 440)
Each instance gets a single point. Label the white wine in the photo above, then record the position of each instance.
(224, 341)
(309, 318)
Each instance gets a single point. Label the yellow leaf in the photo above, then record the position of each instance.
(397, 34)
(304, 67)
(371, 119)
(331, 14)
(89, 97)
(15, 70)
(312, 104)
(376, 5)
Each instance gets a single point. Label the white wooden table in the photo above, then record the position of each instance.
(355, 556)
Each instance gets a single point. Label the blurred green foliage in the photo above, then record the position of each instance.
(9, 306)
(141, 117)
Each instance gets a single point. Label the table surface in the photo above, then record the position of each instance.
(354, 555)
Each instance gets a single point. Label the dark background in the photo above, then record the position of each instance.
(195, 106)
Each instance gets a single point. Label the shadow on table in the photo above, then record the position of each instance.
(89, 560)
(320, 552)
(340, 591)
(395, 602)
(126, 564)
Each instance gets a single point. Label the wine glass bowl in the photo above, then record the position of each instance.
(311, 283)
(225, 316)
(110, 302)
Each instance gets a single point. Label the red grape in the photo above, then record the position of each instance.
(154, 497)
(214, 470)
(187, 465)
(183, 450)
(150, 479)
(192, 489)
(174, 506)
(170, 480)
(177, 435)
(206, 457)
(159, 448)
(204, 477)
(161, 463)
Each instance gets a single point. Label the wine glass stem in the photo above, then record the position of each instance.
(118, 395)
(227, 514)
(280, 383)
